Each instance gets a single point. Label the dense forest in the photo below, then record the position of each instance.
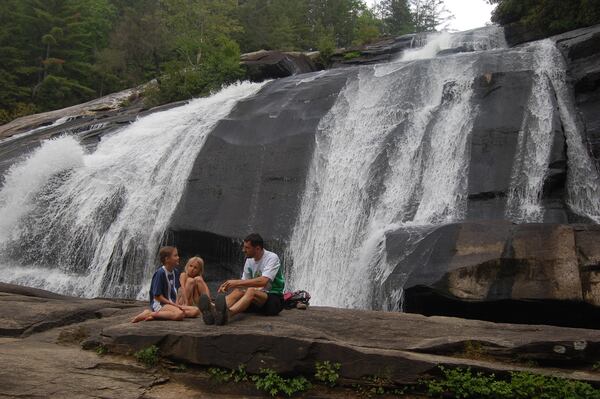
(548, 17)
(56, 53)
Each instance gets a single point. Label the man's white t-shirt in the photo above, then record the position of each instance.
(268, 266)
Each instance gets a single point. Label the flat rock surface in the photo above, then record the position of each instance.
(50, 362)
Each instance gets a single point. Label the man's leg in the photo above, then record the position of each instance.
(252, 295)
(234, 296)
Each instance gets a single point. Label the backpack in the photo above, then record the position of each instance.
(292, 299)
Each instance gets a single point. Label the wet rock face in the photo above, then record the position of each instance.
(252, 169)
(499, 271)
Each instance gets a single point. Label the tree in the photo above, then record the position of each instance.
(368, 28)
(396, 17)
(14, 92)
(430, 15)
(547, 16)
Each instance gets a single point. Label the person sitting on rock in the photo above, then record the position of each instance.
(191, 282)
(163, 291)
(260, 290)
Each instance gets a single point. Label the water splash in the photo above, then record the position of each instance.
(550, 92)
(90, 224)
(487, 38)
(534, 146)
(392, 151)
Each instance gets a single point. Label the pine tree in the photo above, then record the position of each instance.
(396, 17)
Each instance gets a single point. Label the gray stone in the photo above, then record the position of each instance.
(499, 271)
(24, 311)
(263, 64)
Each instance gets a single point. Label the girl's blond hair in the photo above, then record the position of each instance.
(200, 263)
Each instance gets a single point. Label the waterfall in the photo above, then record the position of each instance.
(90, 224)
(488, 38)
(550, 92)
(392, 151)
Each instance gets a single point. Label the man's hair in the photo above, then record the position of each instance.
(255, 240)
(165, 252)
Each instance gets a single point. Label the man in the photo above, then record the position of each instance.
(260, 290)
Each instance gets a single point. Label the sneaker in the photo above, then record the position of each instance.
(207, 309)
(222, 313)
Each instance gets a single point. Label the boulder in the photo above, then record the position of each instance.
(403, 347)
(528, 273)
(262, 65)
(381, 50)
(25, 311)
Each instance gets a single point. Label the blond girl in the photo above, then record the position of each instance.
(192, 283)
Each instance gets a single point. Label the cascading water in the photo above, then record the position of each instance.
(393, 153)
(488, 38)
(536, 139)
(89, 224)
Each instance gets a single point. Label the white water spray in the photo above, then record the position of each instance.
(390, 127)
(90, 224)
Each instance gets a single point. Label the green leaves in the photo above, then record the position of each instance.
(327, 372)
(463, 383)
(547, 17)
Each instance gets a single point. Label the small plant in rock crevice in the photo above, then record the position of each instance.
(224, 375)
(272, 383)
(327, 372)
(147, 356)
(463, 383)
(101, 350)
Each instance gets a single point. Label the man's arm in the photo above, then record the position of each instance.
(258, 282)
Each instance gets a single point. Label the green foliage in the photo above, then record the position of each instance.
(368, 28)
(596, 366)
(148, 356)
(547, 16)
(463, 383)
(223, 375)
(376, 386)
(396, 16)
(327, 372)
(218, 67)
(272, 383)
(351, 55)
(101, 350)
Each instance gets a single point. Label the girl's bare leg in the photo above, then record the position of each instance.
(142, 316)
(181, 296)
(191, 311)
(168, 312)
(190, 286)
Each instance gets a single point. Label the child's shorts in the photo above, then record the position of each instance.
(156, 306)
